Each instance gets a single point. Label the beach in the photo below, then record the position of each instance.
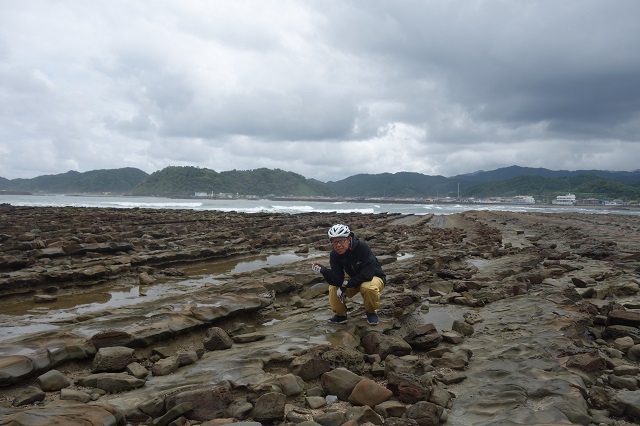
(489, 316)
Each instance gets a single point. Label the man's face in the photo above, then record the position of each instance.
(341, 244)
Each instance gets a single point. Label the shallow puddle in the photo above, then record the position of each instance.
(442, 317)
(27, 317)
(478, 262)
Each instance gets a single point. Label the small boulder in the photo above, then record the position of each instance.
(112, 359)
(53, 381)
(217, 339)
(368, 392)
(29, 395)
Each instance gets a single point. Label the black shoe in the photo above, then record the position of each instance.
(338, 319)
(372, 318)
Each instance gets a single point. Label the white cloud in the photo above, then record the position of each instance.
(327, 89)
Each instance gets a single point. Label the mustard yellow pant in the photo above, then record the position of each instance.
(370, 291)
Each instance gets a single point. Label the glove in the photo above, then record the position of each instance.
(342, 291)
(316, 267)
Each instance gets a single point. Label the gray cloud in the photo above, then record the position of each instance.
(326, 89)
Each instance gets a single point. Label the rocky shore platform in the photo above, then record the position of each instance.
(180, 317)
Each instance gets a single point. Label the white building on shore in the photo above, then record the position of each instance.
(565, 200)
(519, 199)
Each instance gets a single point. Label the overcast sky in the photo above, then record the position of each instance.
(327, 89)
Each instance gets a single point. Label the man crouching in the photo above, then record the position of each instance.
(352, 257)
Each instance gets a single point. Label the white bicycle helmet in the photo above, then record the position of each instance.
(339, 230)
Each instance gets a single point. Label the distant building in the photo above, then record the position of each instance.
(519, 199)
(590, 202)
(565, 200)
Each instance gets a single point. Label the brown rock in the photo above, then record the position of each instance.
(589, 363)
(207, 402)
(621, 317)
(339, 382)
(269, 407)
(409, 388)
(217, 339)
(368, 392)
(384, 345)
(309, 366)
(424, 337)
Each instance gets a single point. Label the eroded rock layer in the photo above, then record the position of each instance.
(488, 318)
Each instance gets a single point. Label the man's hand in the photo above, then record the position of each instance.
(316, 267)
(342, 291)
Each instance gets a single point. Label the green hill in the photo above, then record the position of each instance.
(504, 173)
(116, 181)
(545, 189)
(402, 184)
(187, 180)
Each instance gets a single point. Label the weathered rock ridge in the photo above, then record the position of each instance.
(488, 318)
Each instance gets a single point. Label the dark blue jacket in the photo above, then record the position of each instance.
(358, 262)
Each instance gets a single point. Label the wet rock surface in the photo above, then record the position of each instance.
(488, 318)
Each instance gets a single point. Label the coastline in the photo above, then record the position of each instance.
(472, 280)
(447, 202)
(301, 205)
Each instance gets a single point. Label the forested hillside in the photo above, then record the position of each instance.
(186, 181)
(545, 189)
(402, 184)
(631, 178)
(116, 181)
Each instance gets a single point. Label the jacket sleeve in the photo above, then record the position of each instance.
(335, 275)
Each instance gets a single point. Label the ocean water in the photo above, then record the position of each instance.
(292, 207)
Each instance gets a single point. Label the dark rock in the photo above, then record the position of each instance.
(269, 407)
(362, 415)
(111, 382)
(626, 403)
(173, 414)
(462, 327)
(343, 356)
(137, 370)
(165, 366)
(217, 339)
(339, 382)
(207, 402)
(613, 332)
(29, 395)
(622, 317)
(449, 274)
(423, 337)
(74, 395)
(112, 359)
(334, 418)
(111, 338)
(408, 388)
(384, 345)
(587, 362)
(309, 366)
(248, 337)
(389, 409)
(425, 413)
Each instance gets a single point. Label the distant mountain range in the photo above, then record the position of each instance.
(187, 181)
